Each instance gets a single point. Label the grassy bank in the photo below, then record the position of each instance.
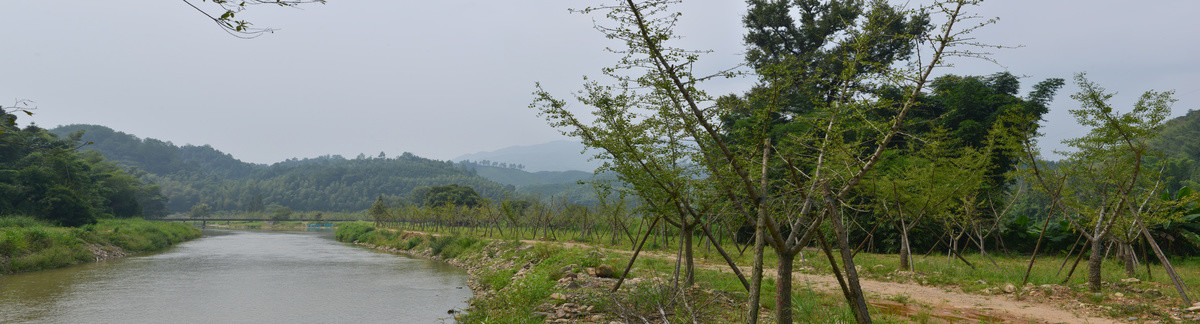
(513, 279)
(1143, 296)
(27, 244)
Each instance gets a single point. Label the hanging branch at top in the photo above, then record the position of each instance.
(242, 28)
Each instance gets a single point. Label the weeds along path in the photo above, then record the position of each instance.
(937, 302)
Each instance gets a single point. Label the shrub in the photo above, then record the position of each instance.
(350, 232)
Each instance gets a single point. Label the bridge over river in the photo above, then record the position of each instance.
(308, 223)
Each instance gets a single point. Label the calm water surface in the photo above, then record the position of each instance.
(241, 277)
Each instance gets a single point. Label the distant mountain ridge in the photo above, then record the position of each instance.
(559, 155)
(191, 175)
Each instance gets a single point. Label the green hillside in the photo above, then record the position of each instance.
(1179, 141)
(191, 175)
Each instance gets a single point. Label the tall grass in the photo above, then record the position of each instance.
(27, 244)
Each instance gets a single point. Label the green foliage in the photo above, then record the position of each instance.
(30, 245)
(281, 214)
(190, 175)
(43, 176)
(200, 210)
(451, 195)
(350, 232)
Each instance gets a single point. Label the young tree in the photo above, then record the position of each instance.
(379, 212)
(1106, 182)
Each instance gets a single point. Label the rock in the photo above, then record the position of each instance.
(981, 282)
(1010, 288)
(1192, 309)
(596, 318)
(1131, 280)
(558, 296)
(602, 271)
(1132, 319)
(1153, 293)
(573, 285)
(1118, 295)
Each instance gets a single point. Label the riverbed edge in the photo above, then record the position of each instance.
(40, 248)
(525, 282)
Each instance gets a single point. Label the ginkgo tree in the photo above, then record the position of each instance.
(1107, 183)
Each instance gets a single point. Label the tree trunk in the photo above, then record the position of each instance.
(689, 257)
(1129, 259)
(783, 287)
(858, 302)
(757, 273)
(905, 250)
(1094, 262)
(1166, 265)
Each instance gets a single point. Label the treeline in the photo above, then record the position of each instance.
(46, 177)
(193, 175)
(494, 164)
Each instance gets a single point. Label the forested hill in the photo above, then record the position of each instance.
(1179, 141)
(159, 157)
(192, 175)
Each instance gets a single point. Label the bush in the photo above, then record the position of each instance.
(21, 221)
(351, 232)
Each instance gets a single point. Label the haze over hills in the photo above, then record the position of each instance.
(560, 155)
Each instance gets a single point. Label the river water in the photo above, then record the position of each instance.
(241, 277)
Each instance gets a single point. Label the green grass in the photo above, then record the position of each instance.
(933, 270)
(511, 298)
(30, 245)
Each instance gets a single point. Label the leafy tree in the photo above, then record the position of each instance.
(379, 212)
(1106, 183)
(970, 107)
(201, 210)
(281, 214)
(452, 195)
(42, 175)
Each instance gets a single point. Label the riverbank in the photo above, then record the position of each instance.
(29, 245)
(522, 270)
(573, 283)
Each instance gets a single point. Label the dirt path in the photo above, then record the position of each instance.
(942, 304)
(939, 303)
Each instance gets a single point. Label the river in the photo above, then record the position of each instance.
(241, 277)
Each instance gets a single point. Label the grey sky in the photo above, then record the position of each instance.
(444, 78)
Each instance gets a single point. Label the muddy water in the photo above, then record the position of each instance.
(241, 277)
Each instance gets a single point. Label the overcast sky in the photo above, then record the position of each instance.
(449, 77)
